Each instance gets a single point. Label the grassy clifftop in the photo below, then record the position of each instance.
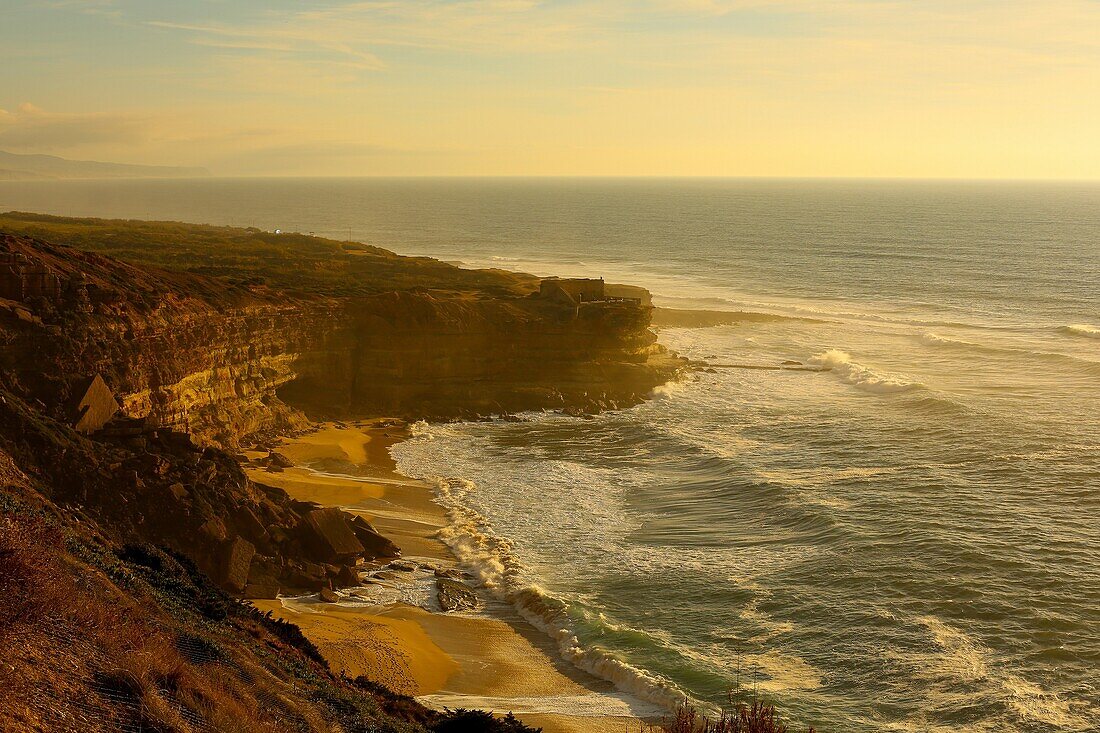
(295, 262)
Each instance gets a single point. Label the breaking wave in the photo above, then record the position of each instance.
(490, 559)
(863, 377)
(935, 339)
(1081, 329)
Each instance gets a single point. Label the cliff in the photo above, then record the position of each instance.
(200, 365)
(228, 358)
(423, 354)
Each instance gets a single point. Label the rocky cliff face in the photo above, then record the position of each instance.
(431, 355)
(225, 363)
(185, 352)
(227, 375)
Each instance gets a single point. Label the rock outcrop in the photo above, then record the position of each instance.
(373, 543)
(327, 536)
(455, 596)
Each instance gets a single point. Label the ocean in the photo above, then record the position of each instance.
(907, 541)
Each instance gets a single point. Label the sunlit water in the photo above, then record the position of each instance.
(908, 541)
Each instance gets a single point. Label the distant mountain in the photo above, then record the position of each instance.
(15, 167)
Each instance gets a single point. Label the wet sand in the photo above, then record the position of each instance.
(447, 659)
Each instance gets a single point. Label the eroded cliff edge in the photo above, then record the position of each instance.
(228, 357)
(201, 364)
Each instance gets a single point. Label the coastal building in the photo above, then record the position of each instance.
(572, 290)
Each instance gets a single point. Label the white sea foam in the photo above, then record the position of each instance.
(959, 658)
(668, 390)
(490, 559)
(597, 705)
(415, 587)
(864, 377)
(1081, 329)
(935, 339)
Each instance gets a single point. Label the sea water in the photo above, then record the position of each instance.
(909, 540)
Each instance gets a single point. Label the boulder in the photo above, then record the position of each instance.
(300, 580)
(235, 561)
(313, 569)
(249, 524)
(448, 573)
(327, 536)
(374, 544)
(326, 595)
(278, 460)
(262, 584)
(454, 596)
(94, 405)
(264, 578)
(213, 530)
(347, 577)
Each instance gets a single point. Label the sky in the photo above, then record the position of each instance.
(875, 88)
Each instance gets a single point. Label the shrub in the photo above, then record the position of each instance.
(479, 721)
(757, 717)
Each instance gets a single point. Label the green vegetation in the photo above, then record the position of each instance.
(295, 262)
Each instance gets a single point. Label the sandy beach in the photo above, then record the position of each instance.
(493, 660)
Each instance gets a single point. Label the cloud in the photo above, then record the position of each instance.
(88, 7)
(352, 33)
(576, 85)
(280, 39)
(374, 35)
(32, 128)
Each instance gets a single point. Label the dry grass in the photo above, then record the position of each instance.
(754, 717)
(82, 655)
(81, 652)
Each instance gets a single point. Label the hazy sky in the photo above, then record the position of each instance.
(970, 88)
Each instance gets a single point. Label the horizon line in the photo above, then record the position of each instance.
(561, 177)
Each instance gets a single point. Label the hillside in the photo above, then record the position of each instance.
(294, 262)
(101, 636)
(14, 166)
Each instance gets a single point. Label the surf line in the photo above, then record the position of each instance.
(770, 368)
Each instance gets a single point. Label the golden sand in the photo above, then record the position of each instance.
(404, 647)
(394, 651)
(306, 485)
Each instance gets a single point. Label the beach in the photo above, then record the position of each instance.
(388, 630)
